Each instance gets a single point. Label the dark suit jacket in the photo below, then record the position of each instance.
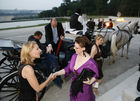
(32, 38)
(42, 46)
(49, 34)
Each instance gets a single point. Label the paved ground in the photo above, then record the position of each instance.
(126, 89)
(111, 71)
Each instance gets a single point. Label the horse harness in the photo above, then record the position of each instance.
(128, 32)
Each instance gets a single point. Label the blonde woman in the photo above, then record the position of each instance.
(96, 55)
(29, 84)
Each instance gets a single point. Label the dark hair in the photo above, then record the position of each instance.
(91, 19)
(78, 10)
(77, 84)
(110, 19)
(83, 41)
(53, 19)
(38, 33)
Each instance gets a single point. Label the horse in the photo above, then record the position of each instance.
(107, 34)
(122, 37)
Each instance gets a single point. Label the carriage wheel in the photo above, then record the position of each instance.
(10, 90)
(9, 87)
(6, 69)
(8, 63)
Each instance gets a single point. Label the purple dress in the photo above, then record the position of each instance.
(87, 94)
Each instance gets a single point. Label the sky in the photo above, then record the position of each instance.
(30, 4)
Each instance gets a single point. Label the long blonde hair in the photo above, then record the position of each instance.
(98, 37)
(25, 53)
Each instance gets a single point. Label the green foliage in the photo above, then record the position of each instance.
(88, 6)
(126, 7)
(101, 7)
(95, 7)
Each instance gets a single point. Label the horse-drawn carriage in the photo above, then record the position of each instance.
(118, 37)
(9, 62)
(115, 38)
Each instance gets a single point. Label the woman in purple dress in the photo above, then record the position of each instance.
(78, 62)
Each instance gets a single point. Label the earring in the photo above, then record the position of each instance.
(84, 53)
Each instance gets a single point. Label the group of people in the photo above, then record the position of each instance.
(54, 34)
(34, 54)
(76, 22)
(101, 24)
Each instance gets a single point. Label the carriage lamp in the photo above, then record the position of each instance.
(107, 24)
(120, 19)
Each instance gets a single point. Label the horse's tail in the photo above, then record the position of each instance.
(114, 44)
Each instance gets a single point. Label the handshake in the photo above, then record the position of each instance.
(52, 76)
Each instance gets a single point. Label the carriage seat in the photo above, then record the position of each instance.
(74, 31)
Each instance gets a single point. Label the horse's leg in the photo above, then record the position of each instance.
(128, 43)
(122, 51)
(114, 48)
(113, 57)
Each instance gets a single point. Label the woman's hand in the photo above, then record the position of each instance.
(51, 77)
(58, 73)
(55, 74)
(89, 81)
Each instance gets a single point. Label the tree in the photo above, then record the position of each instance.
(114, 7)
(95, 7)
(101, 7)
(130, 7)
(88, 6)
(48, 13)
(67, 1)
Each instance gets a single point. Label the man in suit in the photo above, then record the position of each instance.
(54, 32)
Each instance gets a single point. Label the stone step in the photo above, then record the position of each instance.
(117, 93)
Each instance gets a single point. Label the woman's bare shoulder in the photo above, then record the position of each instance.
(28, 70)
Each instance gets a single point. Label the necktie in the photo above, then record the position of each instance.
(55, 35)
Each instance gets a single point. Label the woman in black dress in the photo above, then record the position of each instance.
(29, 84)
(96, 54)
